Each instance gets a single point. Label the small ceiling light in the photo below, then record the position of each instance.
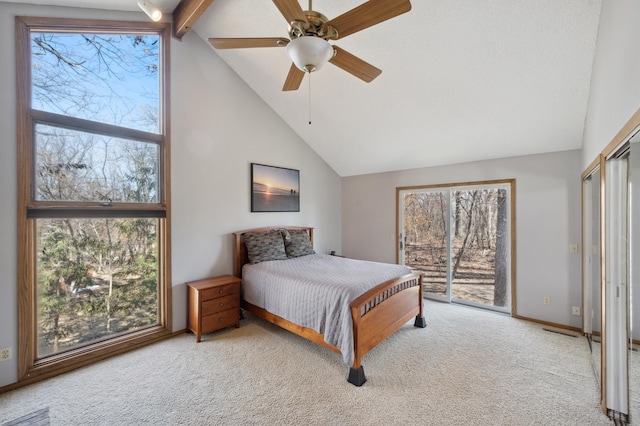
(150, 9)
(309, 53)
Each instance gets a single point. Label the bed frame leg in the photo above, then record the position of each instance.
(356, 376)
(420, 321)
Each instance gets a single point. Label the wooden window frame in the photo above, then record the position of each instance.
(29, 368)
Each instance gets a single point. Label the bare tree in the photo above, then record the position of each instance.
(456, 218)
(500, 287)
(467, 232)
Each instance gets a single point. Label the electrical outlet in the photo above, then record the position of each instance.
(573, 248)
(546, 300)
(5, 354)
(575, 310)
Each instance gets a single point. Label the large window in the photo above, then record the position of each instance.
(93, 228)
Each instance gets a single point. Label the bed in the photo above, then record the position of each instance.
(346, 305)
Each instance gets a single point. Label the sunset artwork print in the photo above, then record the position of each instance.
(274, 189)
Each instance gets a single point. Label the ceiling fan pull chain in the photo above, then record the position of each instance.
(309, 98)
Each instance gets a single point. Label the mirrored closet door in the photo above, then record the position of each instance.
(591, 263)
(616, 288)
(611, 271)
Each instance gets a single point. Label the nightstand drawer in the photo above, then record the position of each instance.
(220, 304)
(220, 291)
(220, 320)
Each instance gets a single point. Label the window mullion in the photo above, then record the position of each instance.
(75, 123)
(97, 212)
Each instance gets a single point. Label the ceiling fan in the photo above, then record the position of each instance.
(309, 32)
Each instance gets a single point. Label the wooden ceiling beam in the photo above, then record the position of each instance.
(186, 14)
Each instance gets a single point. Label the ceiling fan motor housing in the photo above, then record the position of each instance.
(309, 48)
(316, 27)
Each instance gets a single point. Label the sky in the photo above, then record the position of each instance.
(276, 177)
(113, 79)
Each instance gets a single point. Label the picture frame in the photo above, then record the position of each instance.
(274, 189)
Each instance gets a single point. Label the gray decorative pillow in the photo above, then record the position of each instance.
(297, 242)
(263, 246)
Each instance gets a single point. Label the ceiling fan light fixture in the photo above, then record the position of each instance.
(150, 9)
(309, 53)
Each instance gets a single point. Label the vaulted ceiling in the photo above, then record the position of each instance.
(461, 80)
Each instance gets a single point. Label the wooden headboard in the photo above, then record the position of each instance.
(240, 249)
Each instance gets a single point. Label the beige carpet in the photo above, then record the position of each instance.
(468, 367)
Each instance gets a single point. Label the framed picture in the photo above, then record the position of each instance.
(274, 189)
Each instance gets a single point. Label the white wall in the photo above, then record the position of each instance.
(615, 81)
(219, 126)
(547, 222)
(8, 193)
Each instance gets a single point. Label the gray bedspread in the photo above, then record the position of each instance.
(315, 291)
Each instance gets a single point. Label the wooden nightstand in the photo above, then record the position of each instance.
(214, 303)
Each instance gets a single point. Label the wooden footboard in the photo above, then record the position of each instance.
(380, 312)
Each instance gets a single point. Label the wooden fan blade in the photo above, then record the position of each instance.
(354, 65)
(294, 78)
(368, 14)
(241, 43)
(291, 10)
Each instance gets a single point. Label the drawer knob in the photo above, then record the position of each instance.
(221, 291)
(221, 304)
(221, 319)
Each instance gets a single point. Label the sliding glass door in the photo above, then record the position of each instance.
(458, 237)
